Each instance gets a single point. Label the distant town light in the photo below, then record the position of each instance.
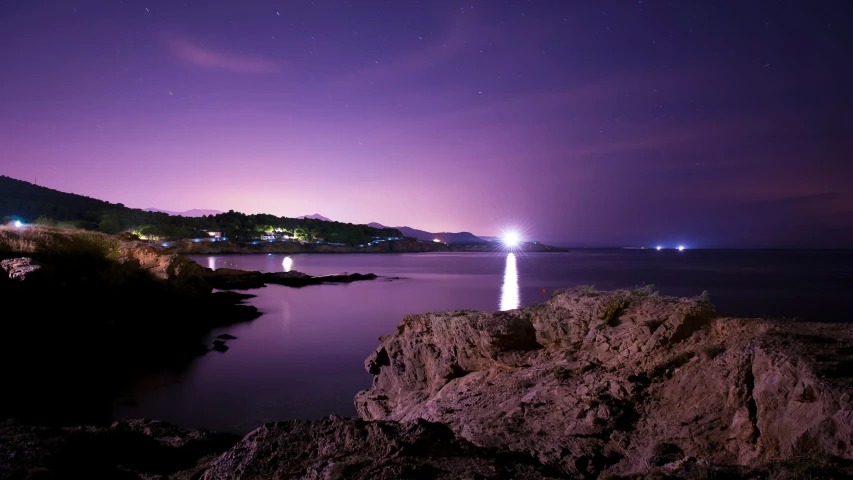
(436, 240)
(681, 248)
(18, 224)
(658, 247)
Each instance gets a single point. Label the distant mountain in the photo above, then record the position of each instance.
(443, 237)
(316, 216)
(196, 212)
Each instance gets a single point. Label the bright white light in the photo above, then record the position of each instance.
(511, 239)
(658, 247)
(510, 295)
(18, 224)
(287, 264)
(681, 248)
(434, 240)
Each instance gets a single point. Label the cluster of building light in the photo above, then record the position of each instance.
(680, 248)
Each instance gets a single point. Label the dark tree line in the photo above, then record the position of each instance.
(30, 203)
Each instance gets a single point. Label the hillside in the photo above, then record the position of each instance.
(316, 216)
(443, 237)
(195, 212)
(31, 203)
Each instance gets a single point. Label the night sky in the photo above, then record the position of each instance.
(588, 123)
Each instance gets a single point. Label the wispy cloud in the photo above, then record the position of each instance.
(202, 56)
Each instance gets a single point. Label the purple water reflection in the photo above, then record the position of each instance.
(304, 357)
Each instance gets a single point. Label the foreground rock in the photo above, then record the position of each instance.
(127, 449)
(333, 448)
(626, 382)
(337, 448)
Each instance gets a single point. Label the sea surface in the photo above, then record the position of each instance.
(304, 358)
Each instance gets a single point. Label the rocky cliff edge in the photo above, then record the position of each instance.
(623, 382)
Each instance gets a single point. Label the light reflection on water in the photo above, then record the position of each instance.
(211, 263)
(287, 264)
(510, 295)
(304, 358)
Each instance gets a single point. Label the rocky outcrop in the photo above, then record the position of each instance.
(127, 449)
(229, 278)
(624, 382)
(19, 268)
(338, 448)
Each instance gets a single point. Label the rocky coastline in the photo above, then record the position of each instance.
(623, 384)
(85, 312)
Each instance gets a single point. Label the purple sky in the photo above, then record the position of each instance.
(708, 123)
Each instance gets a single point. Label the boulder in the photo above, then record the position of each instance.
(596, 383)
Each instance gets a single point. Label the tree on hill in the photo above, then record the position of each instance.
(28, 202)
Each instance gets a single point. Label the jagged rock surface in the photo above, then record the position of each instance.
(620, 382)
(338, 448)
(130, 449)
(19, 268)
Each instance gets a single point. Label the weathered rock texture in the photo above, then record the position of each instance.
(337, 448)
(128, 449)
(621, 382)
(18, 268)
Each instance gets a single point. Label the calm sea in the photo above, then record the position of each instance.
(304, 358)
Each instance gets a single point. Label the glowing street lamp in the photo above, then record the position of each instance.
(658, 248)
(681, 248)
(18, 224)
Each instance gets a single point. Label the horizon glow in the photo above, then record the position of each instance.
(444, 119)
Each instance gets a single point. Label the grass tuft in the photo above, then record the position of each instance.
(613, 310)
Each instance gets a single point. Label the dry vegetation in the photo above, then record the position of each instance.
(50, 240)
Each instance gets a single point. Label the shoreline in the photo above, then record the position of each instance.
(110, 309)
(650, 385)
(587, 384)
(394, 246)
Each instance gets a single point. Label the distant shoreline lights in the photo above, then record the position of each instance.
(680, 248)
